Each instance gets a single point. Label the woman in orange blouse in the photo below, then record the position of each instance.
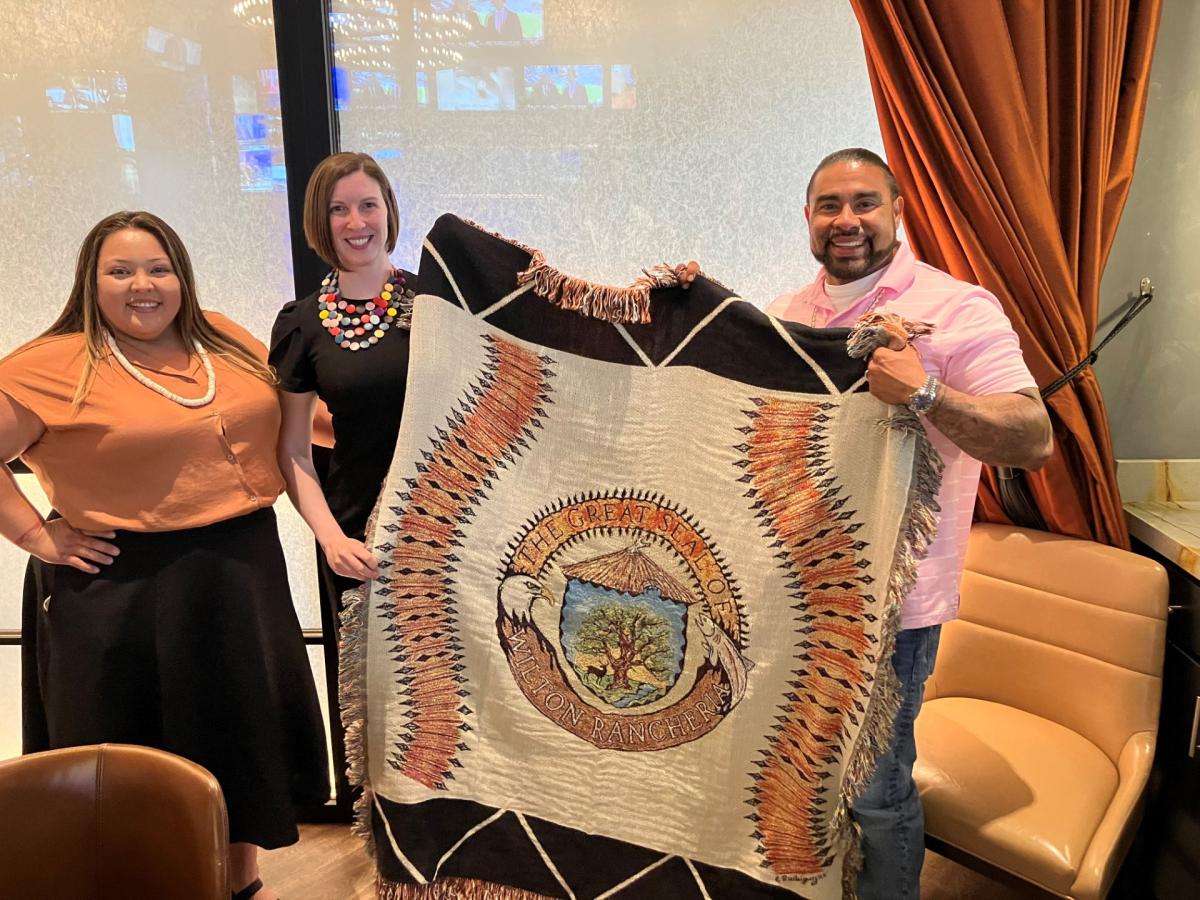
(158, 609)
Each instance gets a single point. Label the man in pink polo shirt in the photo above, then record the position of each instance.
(978, 402)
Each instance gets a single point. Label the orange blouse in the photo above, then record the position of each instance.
(132, 459)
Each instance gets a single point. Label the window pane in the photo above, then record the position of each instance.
(316, 660)
(10, 701)
(168, 106)
(12, 564)
(610, 134)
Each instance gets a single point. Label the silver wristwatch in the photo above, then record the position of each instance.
(924, 397)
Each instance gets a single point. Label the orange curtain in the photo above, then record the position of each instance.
(1013, 127)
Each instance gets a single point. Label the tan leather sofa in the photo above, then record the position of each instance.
(111, 821)
(1035, 741)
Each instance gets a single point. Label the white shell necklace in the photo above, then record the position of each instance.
(158, 388)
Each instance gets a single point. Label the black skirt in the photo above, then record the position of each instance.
(188, 642)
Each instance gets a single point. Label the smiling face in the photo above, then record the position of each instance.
(137, 288)
(358, 221)
(852, 218)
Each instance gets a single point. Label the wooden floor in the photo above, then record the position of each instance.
(944, 879)
(329, 864)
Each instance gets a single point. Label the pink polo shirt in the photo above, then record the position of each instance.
(973, 349)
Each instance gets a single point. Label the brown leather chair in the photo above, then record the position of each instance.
(1036, 737)
(111, 821)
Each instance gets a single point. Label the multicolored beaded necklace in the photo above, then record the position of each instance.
(359, 326)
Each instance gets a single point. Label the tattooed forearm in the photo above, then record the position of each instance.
(1000, 429)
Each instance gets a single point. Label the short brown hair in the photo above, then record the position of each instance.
(317, 195)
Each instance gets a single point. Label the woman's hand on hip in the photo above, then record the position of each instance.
(57, 543)
(350, 558)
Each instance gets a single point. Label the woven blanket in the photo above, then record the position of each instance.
(643, 552)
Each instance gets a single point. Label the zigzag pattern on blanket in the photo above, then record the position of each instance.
(786, 458)
(493, 421)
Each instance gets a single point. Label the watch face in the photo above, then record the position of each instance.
(921, 402)
(922, 399)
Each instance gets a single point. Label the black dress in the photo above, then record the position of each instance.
(364, 391)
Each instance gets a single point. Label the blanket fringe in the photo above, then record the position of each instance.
(352, 683)
(852, 863)
(451, 889)
(352, 697)
(917, 531)
(626, 305)
(599, 301)
(404, 317)
(875, 330)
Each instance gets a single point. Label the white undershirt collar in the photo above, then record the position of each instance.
(843, 296)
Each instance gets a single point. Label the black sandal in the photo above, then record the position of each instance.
(249, 890)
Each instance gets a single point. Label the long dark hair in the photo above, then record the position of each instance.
(82, 313)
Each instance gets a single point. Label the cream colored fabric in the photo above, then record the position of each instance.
(1037, 734)
(667, 489)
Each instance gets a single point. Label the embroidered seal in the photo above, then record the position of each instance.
(621, 623)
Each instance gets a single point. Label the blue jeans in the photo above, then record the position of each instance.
(889, 810)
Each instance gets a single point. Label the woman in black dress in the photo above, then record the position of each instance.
(345, 345)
